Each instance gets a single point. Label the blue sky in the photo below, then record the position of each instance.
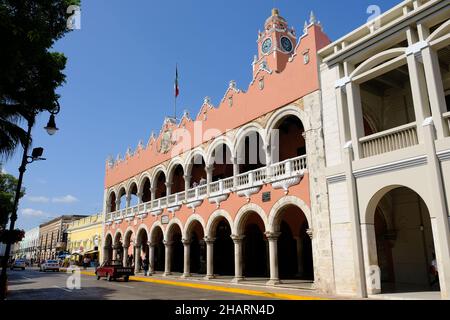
(120, 77)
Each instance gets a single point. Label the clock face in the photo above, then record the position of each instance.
(286, 44)
(267, 44)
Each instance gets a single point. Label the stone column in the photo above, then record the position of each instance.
(438, 210)
(153, 193)
(168, 258)
(151, 258)
(209, 258)
(272, 237)
(434, 85)
(299, 241)
(187, 258)
(418, 85)
(187, 185)
(137, 255)
(235, 170)
(209, 177)
(369, 244)
(168, 188)
(125, 256)
(117, 204)
(140, 195)
(128, 200)
(238, 263)
(355, 114)
(360, 279)
(114, 257)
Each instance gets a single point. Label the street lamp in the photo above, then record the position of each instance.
(36, 155)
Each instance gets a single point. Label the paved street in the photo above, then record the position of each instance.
(33, 285)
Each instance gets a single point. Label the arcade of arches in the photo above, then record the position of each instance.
(245, 255)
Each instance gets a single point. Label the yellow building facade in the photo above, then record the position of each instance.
(84, 237)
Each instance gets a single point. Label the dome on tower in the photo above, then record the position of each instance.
(275, 20)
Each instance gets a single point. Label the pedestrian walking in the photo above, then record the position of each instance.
(145, 265)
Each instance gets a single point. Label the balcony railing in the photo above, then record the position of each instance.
(389, 140)
(447, 117)
(256, 178)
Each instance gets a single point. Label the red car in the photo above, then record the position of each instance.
(113, 270)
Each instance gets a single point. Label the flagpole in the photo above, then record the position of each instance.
(176, 88)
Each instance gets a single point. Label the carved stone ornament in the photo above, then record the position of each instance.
(166, 141)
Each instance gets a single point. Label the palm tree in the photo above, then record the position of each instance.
(11, 134)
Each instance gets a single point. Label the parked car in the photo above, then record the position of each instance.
(113, 270)
(18, 264)
(49, 265)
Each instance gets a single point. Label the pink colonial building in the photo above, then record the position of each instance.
(239, 190)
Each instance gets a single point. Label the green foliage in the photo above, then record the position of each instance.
(8, 186)
(29, 72)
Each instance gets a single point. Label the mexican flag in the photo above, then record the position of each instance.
(176, 88)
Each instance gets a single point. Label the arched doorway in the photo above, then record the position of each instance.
(177, 256)
(118, 248)
(295, 258)
(112, 202)
(196, 170)
(223, 165)
(128, 249)
(159, 250)
(195, 235)
(146, 192)
(142, 242)
(223, 249)
(255, 247)
(107, 248)
(177, 179)
(404, 242)
(160, 183)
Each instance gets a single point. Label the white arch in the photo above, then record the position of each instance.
(243, 131)
(130, 184)
(189, 158)
(283, 202)
(290, 110)
(242, 215)
(138, 231)
(155, 225)
(209, 160)
(214, 218)
(174, 221)
(141, 181)
(106, 237)
(378, 59)
(118, 231)
(172, 165)
(155, 173)
(127, 231)
(443, 30)
(193, 218)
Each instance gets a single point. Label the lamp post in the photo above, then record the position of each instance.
(26, 159)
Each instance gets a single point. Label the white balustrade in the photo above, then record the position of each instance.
(255, 178)
(389, 140)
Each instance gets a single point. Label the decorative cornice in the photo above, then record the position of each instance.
(336, 179)
(444, 155)
(393, 166)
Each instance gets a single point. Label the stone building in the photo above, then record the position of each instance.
(331, 168)
(84, 237)
(53, 236)
(28, 247)
(385, 94)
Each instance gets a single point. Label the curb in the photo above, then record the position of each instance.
(258, 293)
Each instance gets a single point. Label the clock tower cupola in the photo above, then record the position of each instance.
(276, 44)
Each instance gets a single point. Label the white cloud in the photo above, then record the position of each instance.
(3, 171)
(33, 213)
(66, 199)
(38, 199)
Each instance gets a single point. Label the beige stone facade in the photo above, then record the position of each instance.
(385, 97)
(53, 236)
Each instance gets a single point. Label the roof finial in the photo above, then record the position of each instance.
(275, 12)
(312, 18)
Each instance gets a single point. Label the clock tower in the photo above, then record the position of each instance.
(276, 44)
